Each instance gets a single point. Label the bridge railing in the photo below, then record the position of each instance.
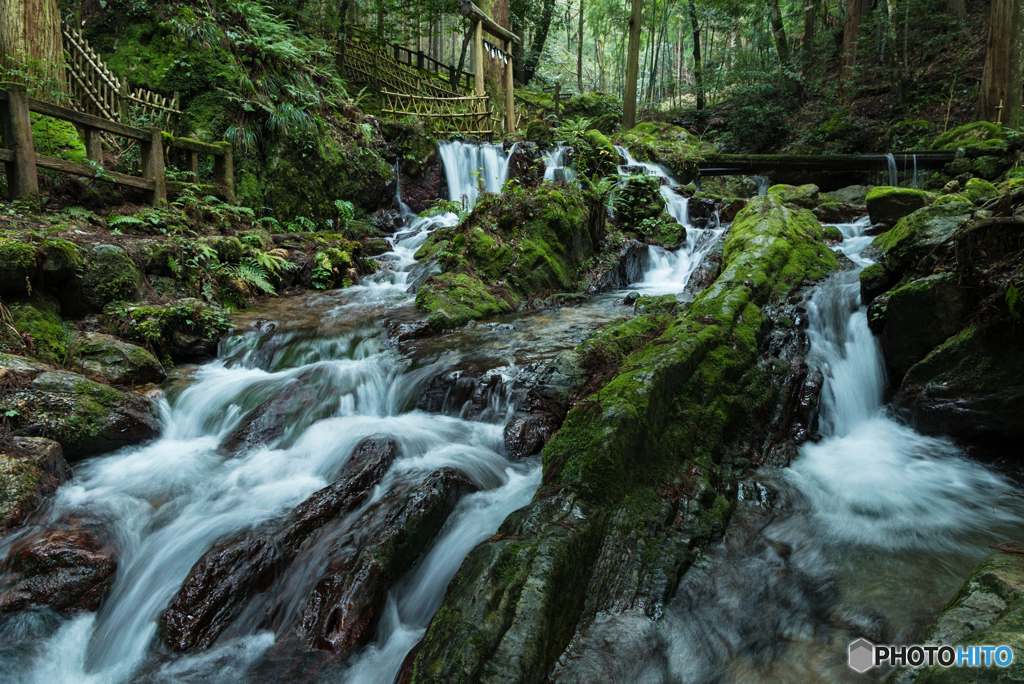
(21, 161)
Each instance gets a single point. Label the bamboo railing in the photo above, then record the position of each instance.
(367, 63)
(467, 114)
(98, 92)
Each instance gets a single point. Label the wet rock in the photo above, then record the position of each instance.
(420, 190)
(625, 266)
(84, 416)
(109, 275)
(525, 165)
(652, 305)
(876, 313)
(68, 568)
(837, 212)
(920, 316)
(874, 280)
(706, 272)
(347, 602)
(805, 196)
(853, 194)
(291, 410)
(918, 235)
(968, 387)
(728, 207)
(399, 331)
(888, 204)
(453, 299)
(31, 469)
(116, 361)
(17, 266)
(702, 211)
(387, 221)
(631, 298)
(986, 609)
(226, 577)
(526, 434)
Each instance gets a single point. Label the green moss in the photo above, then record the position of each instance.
(916, 235)
(665, 144)
(969, 134)
(17, 265)
(639, 198)
(978, 190)
(593, 154)
(663, 304)
(452, 300)
(802, 196)
(539, 131)
(163, 326)
(832, 234)
(57, 138)
(111, 276)
(39, 317)
(620, 338)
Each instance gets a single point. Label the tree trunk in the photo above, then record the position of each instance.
(851, 31)
(539, 38)
(698, 73)
(632, 65)
(955, 9)
(809, 21)
(779, 31)
(1001, 80)
(579, 53)
(30, 39)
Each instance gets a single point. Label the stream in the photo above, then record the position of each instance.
(867, 533)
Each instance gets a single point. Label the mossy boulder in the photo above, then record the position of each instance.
(17, 266)
(832, 234)
(84, 416)
(969, 387)
(874, 280)
(805, 196)
(594, 155)
(517, 600)
(109, 275)
(916, 236)
(57, 138)
(229, 249)
(671, 146)
(185, 329)
(990, 167)
(38, 317)
(593, 104)
(988, 609)
(638, 198)
(852, 194)
(921, 315)
(659, 304)
(116, 361)
(539, 131)
(979, 190)
(977, 133)
(31, 468)
(887, 205)
(453, 299)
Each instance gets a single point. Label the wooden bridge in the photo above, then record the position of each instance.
(760, 164)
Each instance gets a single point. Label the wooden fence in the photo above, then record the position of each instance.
(98, 92)
(367, 63)
(468, 114)
(21, 161)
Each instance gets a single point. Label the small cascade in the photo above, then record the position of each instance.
(894, 179)
(555, 168)
(471, 169)
(917, 182)
(763, 184)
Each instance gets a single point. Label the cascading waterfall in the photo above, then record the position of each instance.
(762, 185)
(894, 179)
(669, 270)
(917, 183)
(554, 164)
(471, 168)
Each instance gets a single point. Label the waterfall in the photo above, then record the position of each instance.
(554, 162)
(471, 169)
(668, 271)
(917, 183)
(894, 179)
(762, 185)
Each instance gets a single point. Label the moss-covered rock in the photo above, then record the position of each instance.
(832, 234)
(109, 275)
(969, 387)
(31, 468)
(979, 190)
(453, 299)
(988, 609)
(887, 205)
(990, 167)
(184, 329)
(874, 280)
(671, 146)
(921, 315)
(516, 601)
(38, 317)
(57, 138)
(539, 131)
(660, 304)
(977, 133)
(84, 416)
(805, 196)
(915, 236)
(117, 361)
(17, 266)
(594, 155)
(639, 198)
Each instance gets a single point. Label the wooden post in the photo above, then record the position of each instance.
(17, 129)
(419, 59)
(478, 58)
(123, 100)
(192, 164)
(153, 166)
(224, 170)
(93, 144)
(510, 103)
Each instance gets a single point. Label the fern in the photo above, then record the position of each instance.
(251, 273)
(80, 212)
(115, 220)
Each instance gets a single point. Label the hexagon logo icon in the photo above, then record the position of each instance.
(862, 655)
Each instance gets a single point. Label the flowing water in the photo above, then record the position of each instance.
(168, 502)
(894, 176)
(867, 533)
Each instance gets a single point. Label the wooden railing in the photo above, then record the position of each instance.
(417, 59)
(365, 62)
(97, 91)
(467, 114)
(21, 161)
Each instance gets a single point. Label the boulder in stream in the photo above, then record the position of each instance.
(31, 468)
(887, 204)
(116, 361)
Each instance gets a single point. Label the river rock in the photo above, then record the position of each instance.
(920, 316)
(118, 362)
(526, 433)
(84, 416)
(287, 413)
(17, 266)
(701, 211)
(31, 469)
(853, 194)
(888, 204)
(230, 574)
(108, 275)
(968, 387)
(987, 609)
(68, 568)
(805, 196)
(874, 280)
(918, 235)
(386, 541)
(525, 164)
(625, 266)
